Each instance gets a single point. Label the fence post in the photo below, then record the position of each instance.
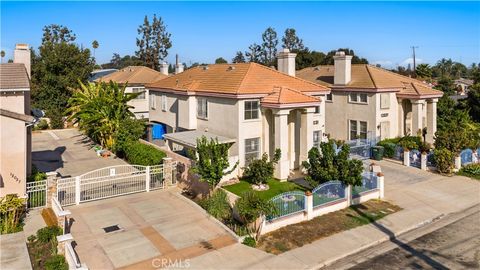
(309, 204)
(406, 158)
(77, 190)
(147, 179)
(348, 194)
(458, 163)
(381, 184)
(423, 161)
(167, 171)
(51, 188)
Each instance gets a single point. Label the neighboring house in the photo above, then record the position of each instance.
(463, 85)
(368, 101)
(97, 74)
(136, 77)
(255, 108)
(15, 123)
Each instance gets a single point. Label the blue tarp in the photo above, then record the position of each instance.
(158, 130)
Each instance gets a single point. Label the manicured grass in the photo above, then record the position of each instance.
(276, 187)
(299, 234)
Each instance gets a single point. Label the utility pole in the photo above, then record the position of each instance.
(414, 61)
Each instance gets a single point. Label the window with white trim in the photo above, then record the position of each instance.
(251, 109)
(153, 104)
(164, 103)
(252, 150)
(316, 138)
(358, 98)
(202, 108)
(139, 90)
(358, 129)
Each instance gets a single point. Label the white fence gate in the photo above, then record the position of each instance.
(36, 194)
(114, 181)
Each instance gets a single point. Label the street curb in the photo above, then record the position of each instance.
(237, 238)
(377, 242)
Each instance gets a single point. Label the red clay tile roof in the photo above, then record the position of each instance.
(371, 77)
(240, 78)
(283, 95)
(13, 76)
(133, 75)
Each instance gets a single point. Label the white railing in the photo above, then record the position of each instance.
(36, 194)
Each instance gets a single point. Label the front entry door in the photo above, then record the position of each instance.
(384, 130)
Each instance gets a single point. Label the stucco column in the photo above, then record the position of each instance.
(306, 133)
(266, 132)
(401, 118)
(281, 141)
(417, 116)
(431, 119)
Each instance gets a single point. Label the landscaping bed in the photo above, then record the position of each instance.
(297, 235)
(471, 170)
(275, 187)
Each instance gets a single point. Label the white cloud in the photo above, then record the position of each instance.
(410, 61)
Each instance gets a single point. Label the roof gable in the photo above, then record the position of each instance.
(133, 75)
(283, 95)
(14, 76)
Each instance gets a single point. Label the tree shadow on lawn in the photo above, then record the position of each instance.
(405, 246)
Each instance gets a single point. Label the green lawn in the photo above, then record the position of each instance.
(276, 187)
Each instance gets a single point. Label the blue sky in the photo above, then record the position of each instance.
(202, 31)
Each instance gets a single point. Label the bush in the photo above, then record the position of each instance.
(444, 160)
(48, 234)
(259, 171)
(138, 153)
(56, 119)
(130, 130)
(249, 241)
(56, 262)
(250, 207)
(12, 212)
(41, 125)
(410, 142)
(217, 205)
(389, 148)
(471, 170)
(36, 175)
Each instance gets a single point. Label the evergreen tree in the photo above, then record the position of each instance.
(291, 41)
(153, 43)
(423, 71)
(254, 53)
(2, 54)
(56, 34)
(220, 60)
(269, 46)
(239, 58)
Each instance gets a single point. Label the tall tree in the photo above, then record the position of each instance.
(220, 60)
(94, 46)
(291, 41)
(473, 102)
(58, 67)
(269, 46)
(239, 58)
(254, 53)
(355, 59)
(2, 54)
(153, 43)
(443, 68)
(120, 62)
(424, 71)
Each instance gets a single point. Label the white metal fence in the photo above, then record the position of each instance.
(37, 194)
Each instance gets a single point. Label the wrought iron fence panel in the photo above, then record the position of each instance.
(157, 180)
(431, 159)
(66, 191)
(476, 156)
(415, 158)
(398, 153)
(119, 170)
(328, 192)
(360, 152)
(105, 187)
(288, 203)
(466, 156)
(36, 194)
(369, 182)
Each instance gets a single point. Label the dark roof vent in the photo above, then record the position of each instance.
(316, 68)
(205, 67)
(231, 68)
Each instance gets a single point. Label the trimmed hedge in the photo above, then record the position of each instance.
(138, 153)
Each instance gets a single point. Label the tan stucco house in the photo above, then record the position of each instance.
(15, 123)
(135, 78)
(368, 101)
(255, 108)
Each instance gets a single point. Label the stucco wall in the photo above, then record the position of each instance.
(140, 105)
(389, 115)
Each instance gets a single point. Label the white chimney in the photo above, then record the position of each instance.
(286, 62)
(21, 55)
(343, 68)
(178, 66)
(164, 68)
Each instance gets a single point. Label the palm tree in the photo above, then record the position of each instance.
(99, 110)
(94, 46)
(2, 54)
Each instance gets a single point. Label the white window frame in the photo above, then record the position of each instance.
(139, 89)
(202, 113)
(152, 101)
(251, 110)
(357, 98)
(164, 103)
(317, 134)
(358, 130)
(256, 152)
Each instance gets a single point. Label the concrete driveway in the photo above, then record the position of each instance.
(68, 152)
(154, 228)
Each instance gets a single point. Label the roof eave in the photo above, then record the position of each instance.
(290, 105)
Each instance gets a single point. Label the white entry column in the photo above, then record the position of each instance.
(306, 133)
(281, 141)
(417, 115)
(431, 119)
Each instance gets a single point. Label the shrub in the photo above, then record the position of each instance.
(130, 130)
(471, 170)
(217, 205)
(41, 125)
(259, 171)
(250, 207)
(36, 175)
(444, 160)
(56, 119)
(56, 262)
(410, 142)
(12, 212)
(389, 148)
(249, 241)
(48, 234)
(141, 154)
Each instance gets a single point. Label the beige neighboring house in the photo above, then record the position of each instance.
(463, 85)
(368, 101)
(255, 108)
(136, 77)
(15, 123)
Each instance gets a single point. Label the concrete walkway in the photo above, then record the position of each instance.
(424, 197)
(13, 252)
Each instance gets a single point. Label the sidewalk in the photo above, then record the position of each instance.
(423, 196)
(14, 253)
